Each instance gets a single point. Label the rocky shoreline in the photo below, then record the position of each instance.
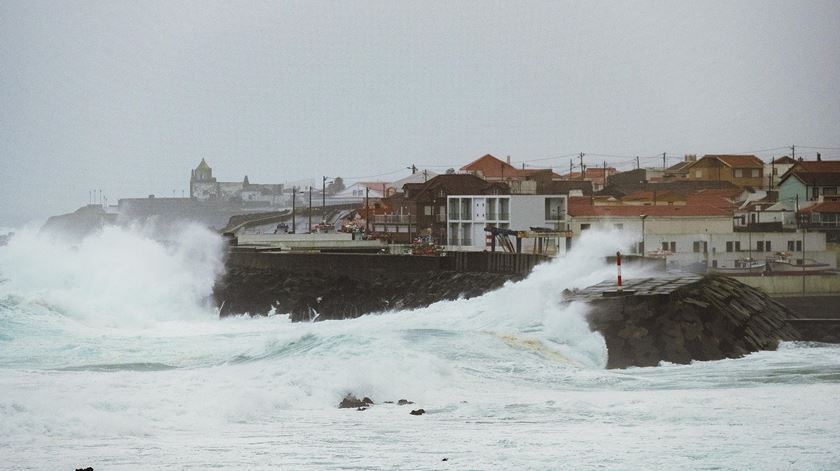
(679, 319)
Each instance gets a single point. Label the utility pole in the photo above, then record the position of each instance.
(793, 152)
(413, 169)
(324, 199)
(425, 176)
(294, 197)
(637, 163)
(367, 210)
(605, 173)
(310, 208)
(570, 169)
(663, 162)
(581, 165)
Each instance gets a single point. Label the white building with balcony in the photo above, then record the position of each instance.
(467, 216)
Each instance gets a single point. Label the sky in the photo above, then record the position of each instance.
(128, 96)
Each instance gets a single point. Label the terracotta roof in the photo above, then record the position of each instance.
(824, 207)
(681, 167)
(812, 172)
(660, 196)
(491, 167)
(783, 160)
(737, 161)
(581, 207)
(821, 166)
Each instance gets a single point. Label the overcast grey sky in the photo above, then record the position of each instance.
(129, 96)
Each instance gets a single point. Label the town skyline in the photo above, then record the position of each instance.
(125, 98)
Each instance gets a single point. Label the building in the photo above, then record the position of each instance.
(777, 167)
(205, 187)
(695, 234)
(741, 170)
(809, 180)
(421, 209)
(469, 215)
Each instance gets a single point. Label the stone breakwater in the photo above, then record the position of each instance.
(683, 318)
(340, 286)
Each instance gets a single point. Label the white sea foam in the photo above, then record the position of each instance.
(110, 357)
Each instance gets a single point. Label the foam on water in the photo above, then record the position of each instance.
(109, 349)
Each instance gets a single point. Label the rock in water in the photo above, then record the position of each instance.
(350, 401)
(403, 402)
(683, 318)
(418, 412)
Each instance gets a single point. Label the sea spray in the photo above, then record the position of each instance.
(114, 277)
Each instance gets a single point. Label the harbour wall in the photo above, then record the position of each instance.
(340, 285)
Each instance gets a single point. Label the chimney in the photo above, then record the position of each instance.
(508, 160)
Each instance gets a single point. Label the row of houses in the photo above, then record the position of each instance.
(717, 211)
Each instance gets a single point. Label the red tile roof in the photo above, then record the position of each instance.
(491, 167)
(737, 161)
(824, 207)
(582, 207)
(822, 166)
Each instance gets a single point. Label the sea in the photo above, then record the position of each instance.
(113, 356)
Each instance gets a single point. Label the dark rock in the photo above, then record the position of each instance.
(445, 459)
(680, 319)
(352, 402)
(418, 412)
(361, 409)
(403, 402)
(388, 402)
(367, 400)
(84, 469)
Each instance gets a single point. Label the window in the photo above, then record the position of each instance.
(700, 246)
(760, 247)
(733, 246)
(427, 210)
(584, 227)
(714, 263)
(554, 209)
(669, 246)
(454, 205)
(791, 246)
(619, 226)
(729, 246)
(737, 246)
(739, 173)
(755, 173)
(799, 246)
(767, 246)
(815, 192)
(698, 174)
(829, 190)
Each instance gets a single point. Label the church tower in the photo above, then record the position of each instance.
(201, 174)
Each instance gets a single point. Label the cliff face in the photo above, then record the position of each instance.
(680, 319)
(339, 296)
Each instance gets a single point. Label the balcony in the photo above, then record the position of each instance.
(394, 219)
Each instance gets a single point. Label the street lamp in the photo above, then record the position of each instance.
(642, 245)
(324, 199)
(294, 197)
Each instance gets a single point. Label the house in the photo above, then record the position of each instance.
(809, 180)
(777, 167)
(679, 171)
(698, 233)
(422, 207)
(824, 217)
(741, 170)
(520, 180)
(469, 215)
